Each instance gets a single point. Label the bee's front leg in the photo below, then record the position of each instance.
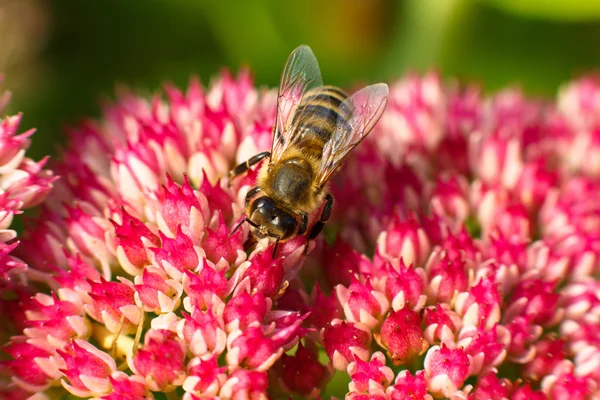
(318, 226)
(245, 166)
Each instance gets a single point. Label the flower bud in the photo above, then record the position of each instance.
(401, 335)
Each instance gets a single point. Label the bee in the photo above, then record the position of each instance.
(316, 127)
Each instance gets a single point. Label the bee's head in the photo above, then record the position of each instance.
(268, 220)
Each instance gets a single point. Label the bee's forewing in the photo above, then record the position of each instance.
(300, 74)
(358, 115)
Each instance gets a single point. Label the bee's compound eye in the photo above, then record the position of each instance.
(265, 209)
(264, 203)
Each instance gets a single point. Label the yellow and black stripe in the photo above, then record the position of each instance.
(317, 116)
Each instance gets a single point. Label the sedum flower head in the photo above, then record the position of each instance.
(463, 261)
(24, 183)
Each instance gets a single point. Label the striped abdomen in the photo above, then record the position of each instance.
(316, 117)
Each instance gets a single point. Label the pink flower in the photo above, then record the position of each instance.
(508, 250)
(25, 180)
(76, 279)
(87, 229)
(341, 261)
(404, 285)
(496, 157)
(244, 384)
(206, 287)
(156, 292)
(535, 184)
(244, 310)
(523, 333)
(401, 335)
(204, 376)
(361, 303)
(265, 274)
(325, 309)
(127, 388)
(481, 305)
(548, 354)
(465, 245)
(447, 276)
(133, 239)
(371, 377)
(446, 369)
(24, 183)
(464, 116)
(581, 334)
(88, 370)
(414, 117)
(441, 324)
(303, 373)
(176, 255)
(56, 321)
(32, 366)
(203, 331)
(218, 244)
(581, 299)
(526, 393)
(513, 219)
(537, 299)
(449, 198)
(460, 244)
(46, 245)
(343, 340)
(571, 210)
(180, 208)
(408, 386)
(254, 350)
(578, 102)
(113, 301)
(563, 381)
(161, 360)
(487, 349)
(489, 386)
(488, 200)
(404, 240)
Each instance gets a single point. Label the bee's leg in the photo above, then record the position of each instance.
(318, 226)
(275, 247)
(303, 224)
(245, 166)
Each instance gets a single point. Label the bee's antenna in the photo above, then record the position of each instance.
(235, 228)
(252, 223)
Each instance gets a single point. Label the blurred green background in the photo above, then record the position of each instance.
(62, 56)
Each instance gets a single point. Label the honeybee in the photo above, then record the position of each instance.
(316, 127)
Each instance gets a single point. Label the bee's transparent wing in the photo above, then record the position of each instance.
(300, 74)
(358, 115)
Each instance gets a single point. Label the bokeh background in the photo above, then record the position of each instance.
(62, 57)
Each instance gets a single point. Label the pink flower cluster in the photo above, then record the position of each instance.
(481, 216)
(24, 183)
